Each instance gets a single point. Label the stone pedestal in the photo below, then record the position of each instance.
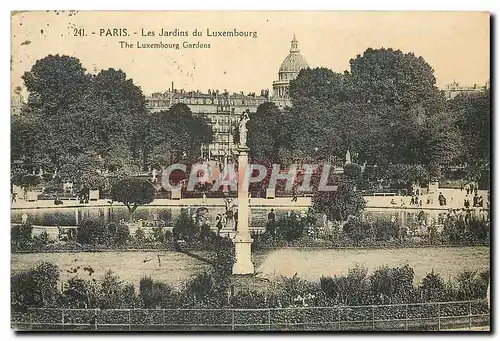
(243, 251)
(176, 194)
(32, 196)
(270, 193)
(242, 241)
(94, 194)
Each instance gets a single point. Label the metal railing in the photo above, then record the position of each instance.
(405, 317)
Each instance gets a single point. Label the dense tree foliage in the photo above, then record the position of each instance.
(175, 134)
(267, 132)
(340, 204)
(77, 126)
(387, 110)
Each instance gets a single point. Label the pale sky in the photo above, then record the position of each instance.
(455, 44)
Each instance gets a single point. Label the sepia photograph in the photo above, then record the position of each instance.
(250, 171)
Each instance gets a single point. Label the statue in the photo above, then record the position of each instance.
(229, 213)
(348, 156)
(243, 129)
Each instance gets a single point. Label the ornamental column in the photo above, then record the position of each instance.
(242, 241)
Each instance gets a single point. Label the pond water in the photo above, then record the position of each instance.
(175, 268)
(67, 216)
(312, 264)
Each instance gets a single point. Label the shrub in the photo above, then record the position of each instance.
(156, 294)
(118, 234)
(35, 288)
(248, 299)
(184, 227)
(432, 287)
(41, 240)
(350, 289)
(290, 227)
(91, 232)
(385, 230)
(471, 285)
(466, 230)
(392, 285)
(140, 235)
(356, 230)
(78, 293)
(113, 294)
(21, 235)
(201, 290)
(158, 234)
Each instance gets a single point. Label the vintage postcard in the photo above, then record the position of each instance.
(250, 170)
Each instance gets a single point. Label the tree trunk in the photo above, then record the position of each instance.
(131, 210)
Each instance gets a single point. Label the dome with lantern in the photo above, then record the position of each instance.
(288, 71)
(294, 62)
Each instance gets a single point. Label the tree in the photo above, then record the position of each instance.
(57, 86)
(317, 86)
(339, 204)
(132, 192)
(55, 83)
(71, 113)
(171, 134)
(84, 170)
(266, 132)
(313, 127)
(473, 112)
(115, 107)
(387, 76)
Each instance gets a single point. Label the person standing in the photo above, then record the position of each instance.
(271, 216)
(219, 223)
(271, 223)
(294, 195)
(442, 199)
(235, 217)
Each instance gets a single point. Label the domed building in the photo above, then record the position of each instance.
(288, 71)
